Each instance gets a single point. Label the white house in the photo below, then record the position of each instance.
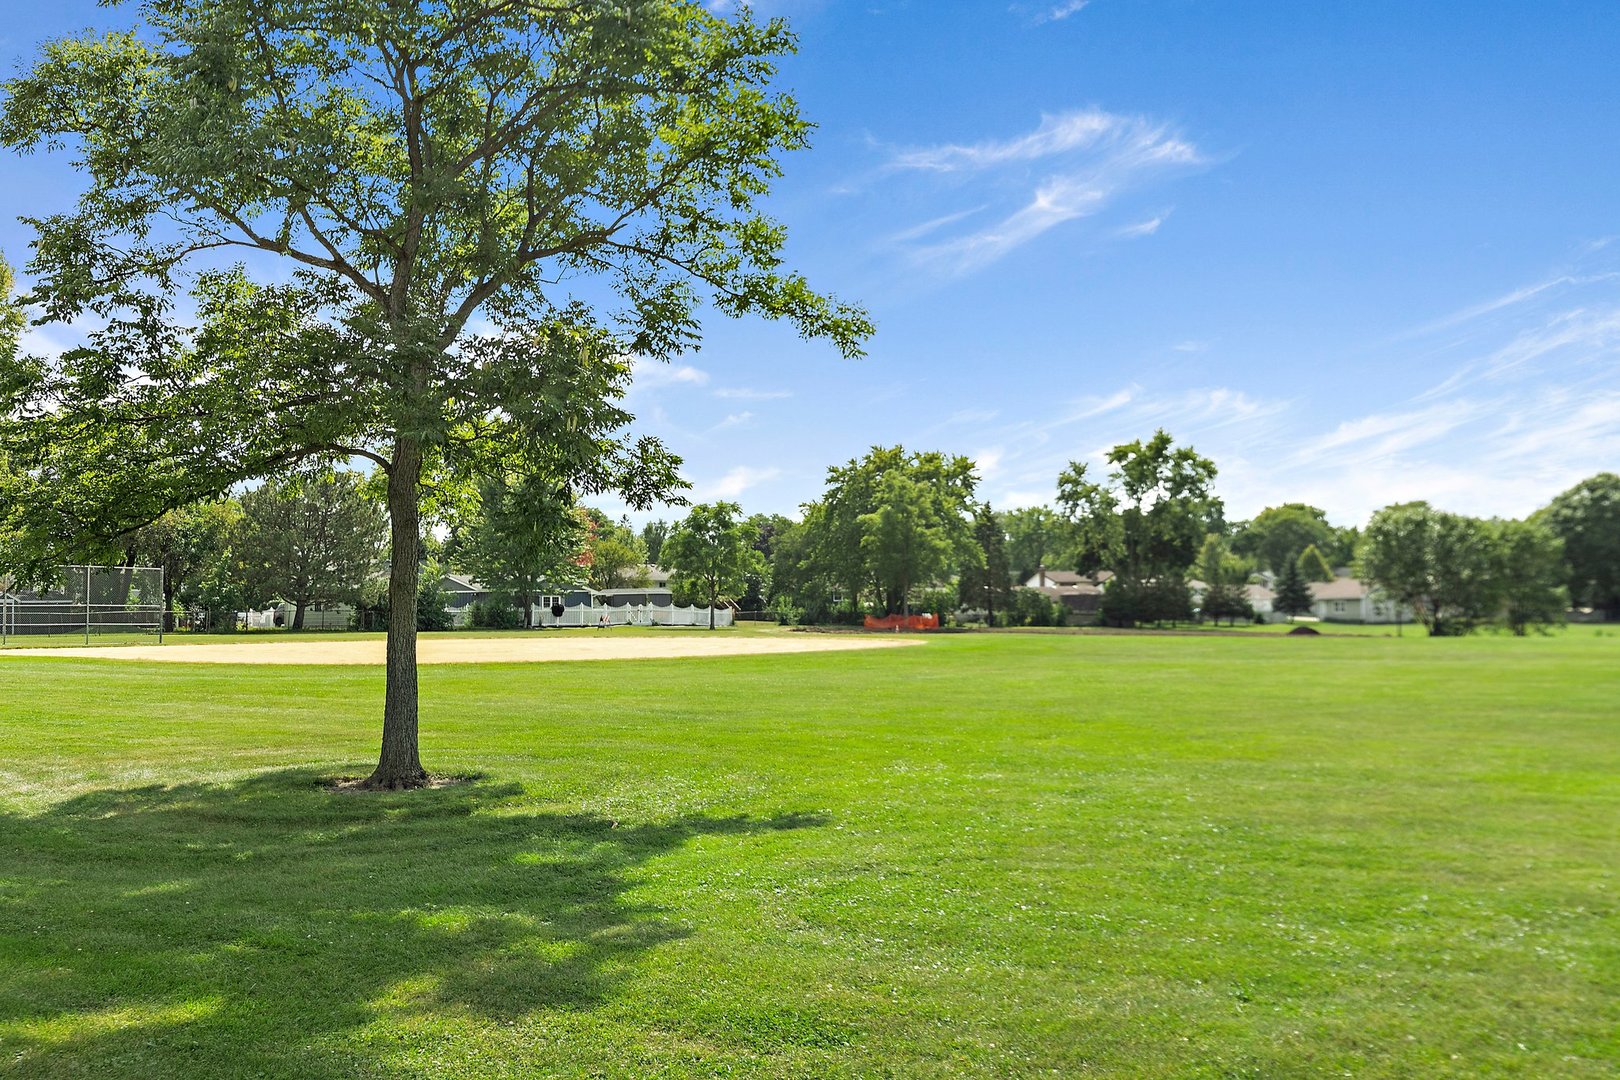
(1347, 599)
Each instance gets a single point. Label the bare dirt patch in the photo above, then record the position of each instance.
(356, 785)
(540, 648)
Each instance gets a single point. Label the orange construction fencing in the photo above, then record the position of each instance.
(903, 622)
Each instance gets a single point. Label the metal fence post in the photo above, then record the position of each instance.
(87, 605)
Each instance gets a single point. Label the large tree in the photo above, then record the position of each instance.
(1442, 565)
(1147, 523)
(1530, 575)
(523, 534)
(712, 552)
(1279, 533)
(892, 519)
(420, 164)
(1587, 519)
(310, 540)
(11, 316)
(191, 544)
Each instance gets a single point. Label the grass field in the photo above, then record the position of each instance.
(1001, 854)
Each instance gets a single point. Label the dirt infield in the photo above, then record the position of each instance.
(473, 650)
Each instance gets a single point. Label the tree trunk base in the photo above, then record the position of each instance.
(392, 781)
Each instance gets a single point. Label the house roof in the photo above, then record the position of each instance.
(461, 583)
(1344, 588)
(1079, 588)
(1258, 592)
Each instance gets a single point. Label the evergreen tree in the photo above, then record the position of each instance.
(987, 584)
(1293, 591)
(1312, 566)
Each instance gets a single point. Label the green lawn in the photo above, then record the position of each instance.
(1001, 854)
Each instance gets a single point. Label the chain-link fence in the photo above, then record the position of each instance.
(92, 602)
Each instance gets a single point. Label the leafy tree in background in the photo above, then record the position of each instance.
(192, 545)
(713, 549)
(758, 588)
(1037, 536)
(1293, 592)
(987, 583)
(1313, 566)
(523, 534)
(1342, 551)
(1279, 533)
(1587, 519)
(1223, 576)
(653, 535)
(1147, 524)
(1530, 574)
(616, 558)
(417, 163)
(1441, 565)
(310, 540)
(891, 520)
(906, 540)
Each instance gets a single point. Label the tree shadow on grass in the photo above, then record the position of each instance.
(254, 928)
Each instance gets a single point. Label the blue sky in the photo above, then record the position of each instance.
(1356, 253)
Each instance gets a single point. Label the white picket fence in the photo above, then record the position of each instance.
(633, 615)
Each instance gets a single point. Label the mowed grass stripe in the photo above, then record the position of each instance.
(996, 855)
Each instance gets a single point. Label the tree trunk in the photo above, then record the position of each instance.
(712, 594)
(298, 613)
(400, 764)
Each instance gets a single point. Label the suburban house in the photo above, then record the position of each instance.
(1260, 598)
(1080, 594)
(1347, 599)
(581, 606)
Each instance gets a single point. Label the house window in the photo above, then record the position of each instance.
(1338, 605)
(550, 601)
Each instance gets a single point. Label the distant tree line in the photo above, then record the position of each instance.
(895, 531)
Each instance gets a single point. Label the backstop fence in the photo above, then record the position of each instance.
(88, 601)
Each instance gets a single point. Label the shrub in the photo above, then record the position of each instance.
(1031, 607)
(494, 615)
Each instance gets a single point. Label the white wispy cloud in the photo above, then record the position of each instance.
(745, 393)
(735, 482)
(1081, 129)
(1062, 11)
(654, 374)
(734, 420)
(1142, 228)
(1086, 158)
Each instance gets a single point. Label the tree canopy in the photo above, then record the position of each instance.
(310, 540)
(1441, 565)
(523, 534)
(713, 549)
(1278, 534)
(418, 165)
(1587, 519)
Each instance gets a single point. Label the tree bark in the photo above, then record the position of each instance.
(298, 614)
(400, 764)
